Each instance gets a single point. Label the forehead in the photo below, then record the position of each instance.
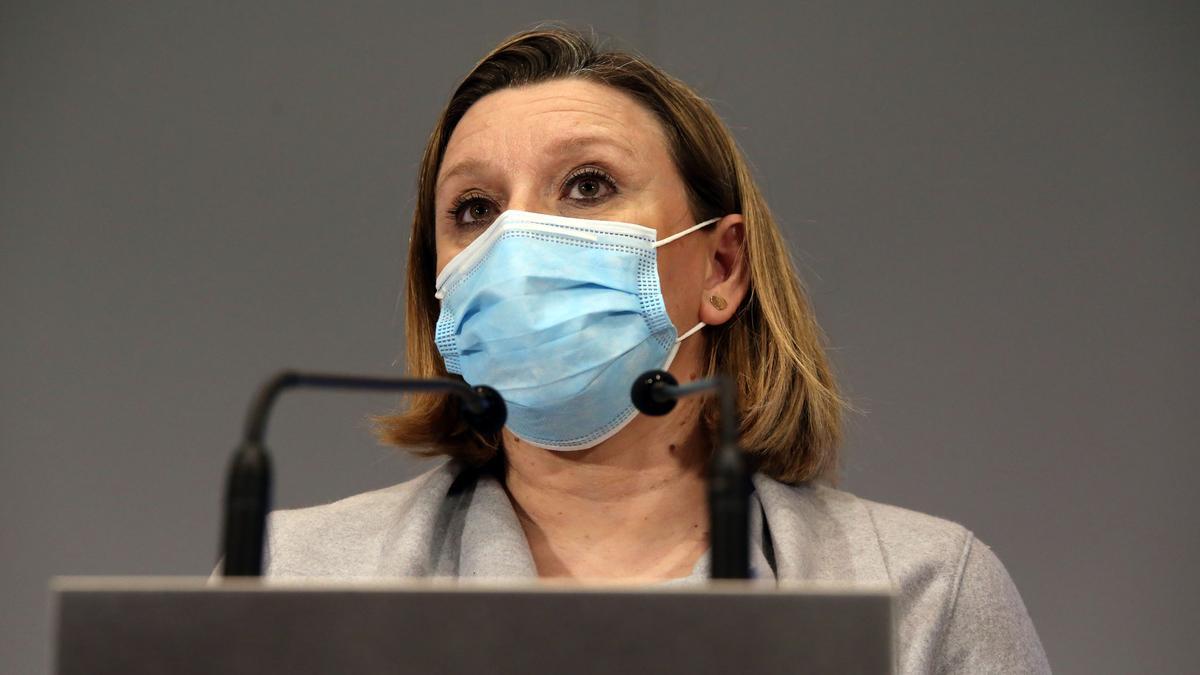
(513, 124)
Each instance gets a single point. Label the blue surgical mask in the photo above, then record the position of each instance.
(559, 315)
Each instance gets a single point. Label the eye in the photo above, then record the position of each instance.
(472, 210)
(589, 185)
(476, 210)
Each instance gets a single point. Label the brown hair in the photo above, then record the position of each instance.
(772, 348)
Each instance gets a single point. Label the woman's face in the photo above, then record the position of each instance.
(570, 148)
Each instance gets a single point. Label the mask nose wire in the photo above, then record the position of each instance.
(660, 242)
(677, 235)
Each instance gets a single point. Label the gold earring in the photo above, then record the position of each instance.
(718, 302)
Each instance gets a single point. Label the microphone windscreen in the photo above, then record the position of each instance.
(648, 393)
(489, 413)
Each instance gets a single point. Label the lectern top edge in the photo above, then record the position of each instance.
(158, 584)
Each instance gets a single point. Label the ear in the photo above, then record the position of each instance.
(727, 273)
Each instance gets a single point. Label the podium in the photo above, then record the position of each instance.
(194, 625)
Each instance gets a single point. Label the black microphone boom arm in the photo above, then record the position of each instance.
(655, 393)
(248, 489)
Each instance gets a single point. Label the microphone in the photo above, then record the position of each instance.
(655, 393)
(248, 487)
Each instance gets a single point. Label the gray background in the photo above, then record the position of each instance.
(995, 207)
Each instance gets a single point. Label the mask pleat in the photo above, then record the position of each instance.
(542, 318)
(575, 352)
(575, 389)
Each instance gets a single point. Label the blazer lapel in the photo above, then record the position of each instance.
(820, 534)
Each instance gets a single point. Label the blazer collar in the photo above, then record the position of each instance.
(820, 534)
(461, 523)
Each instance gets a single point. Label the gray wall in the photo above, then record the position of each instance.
(995, 208)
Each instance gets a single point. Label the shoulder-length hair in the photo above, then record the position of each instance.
(772, 348)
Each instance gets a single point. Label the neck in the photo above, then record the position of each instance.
(631, 507)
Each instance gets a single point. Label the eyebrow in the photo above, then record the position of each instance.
(566, 146)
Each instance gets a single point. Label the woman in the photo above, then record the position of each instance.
(581, 218)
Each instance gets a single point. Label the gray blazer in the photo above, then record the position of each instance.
(957, 610)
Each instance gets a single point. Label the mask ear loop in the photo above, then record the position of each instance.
(677, 235)
(690, 332)
(661, 242)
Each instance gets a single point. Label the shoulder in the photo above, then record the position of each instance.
(961, 607)
(839, 536)
(347, 537)
(957, 607)
(917, 545)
